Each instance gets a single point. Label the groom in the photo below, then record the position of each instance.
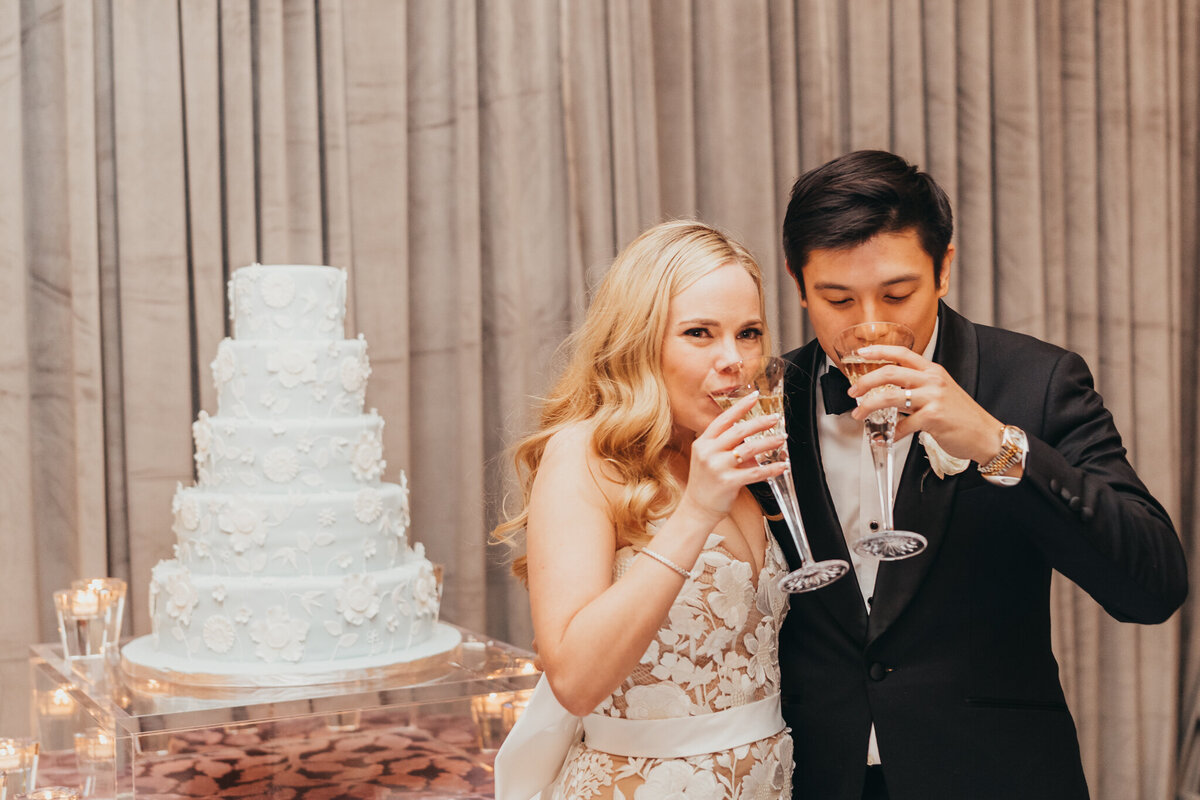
(932, 677)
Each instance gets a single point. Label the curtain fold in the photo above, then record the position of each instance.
(475, 167)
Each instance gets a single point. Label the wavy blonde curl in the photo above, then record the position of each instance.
(613, 378)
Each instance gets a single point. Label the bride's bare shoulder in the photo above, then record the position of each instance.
(575, 440)
(572, 450)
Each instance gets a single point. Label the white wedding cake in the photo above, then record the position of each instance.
(291, 556)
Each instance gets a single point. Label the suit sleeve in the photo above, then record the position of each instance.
(1092, 516)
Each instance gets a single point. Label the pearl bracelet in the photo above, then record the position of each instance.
(666, 562)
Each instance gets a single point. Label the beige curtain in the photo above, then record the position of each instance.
(475, 165)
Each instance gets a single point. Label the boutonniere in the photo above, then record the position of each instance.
(942, 462)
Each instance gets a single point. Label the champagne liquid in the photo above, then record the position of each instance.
(856, 367)
(766, 404)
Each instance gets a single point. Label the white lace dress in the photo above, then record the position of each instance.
(716, 651)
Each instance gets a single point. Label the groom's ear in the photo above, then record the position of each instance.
(944, 275)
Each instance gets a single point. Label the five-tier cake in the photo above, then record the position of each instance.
(292, 555)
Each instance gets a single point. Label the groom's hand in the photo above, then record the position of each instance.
(928, 400)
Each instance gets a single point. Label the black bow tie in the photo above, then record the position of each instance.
(834, 386)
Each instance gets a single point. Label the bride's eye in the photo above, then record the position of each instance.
(696, 333)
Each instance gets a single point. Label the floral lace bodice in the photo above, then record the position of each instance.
(717, 649)
(719, 645)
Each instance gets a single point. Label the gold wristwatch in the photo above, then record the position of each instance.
(1013, 448)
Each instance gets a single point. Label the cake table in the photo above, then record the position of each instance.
(429, 734)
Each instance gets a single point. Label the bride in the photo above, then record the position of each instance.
(651, 576)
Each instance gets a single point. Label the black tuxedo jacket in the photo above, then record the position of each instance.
(953, 662)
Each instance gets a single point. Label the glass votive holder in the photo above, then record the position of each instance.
(113, 590)
(56, 717)
(51, 793)
(81, 622)
(18, 765)
(513, 709)
(95, 754)
(57, 703)
(344, 721)
(488, 711)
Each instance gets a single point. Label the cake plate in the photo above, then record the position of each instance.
(148, 669)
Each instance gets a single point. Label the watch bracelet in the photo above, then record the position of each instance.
(1009, 455)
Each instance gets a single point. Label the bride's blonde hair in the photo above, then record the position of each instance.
(613, 378)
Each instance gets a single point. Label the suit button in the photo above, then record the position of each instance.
(1054, 485)
(877, 671)
(1065, 494)
(1086, 513)
(1074, 503)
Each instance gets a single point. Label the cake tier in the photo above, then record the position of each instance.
(314, 533)
(275, 379)
(291, 620)
(287, 302)
(288, 455)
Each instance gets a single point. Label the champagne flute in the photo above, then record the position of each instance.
(765, 375)
(887, 543)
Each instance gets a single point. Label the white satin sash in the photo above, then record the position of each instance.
(534, 751)
(680, 737)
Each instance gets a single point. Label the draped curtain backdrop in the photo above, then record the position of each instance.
(476, 165)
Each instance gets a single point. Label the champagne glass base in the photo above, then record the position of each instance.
(890, 545)
(813, 576)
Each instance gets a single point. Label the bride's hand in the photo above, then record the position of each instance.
(723, 459)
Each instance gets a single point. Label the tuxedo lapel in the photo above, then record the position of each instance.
(924, 501)
(842, 598)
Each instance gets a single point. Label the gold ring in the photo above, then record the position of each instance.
(737, 456)
(907, 398)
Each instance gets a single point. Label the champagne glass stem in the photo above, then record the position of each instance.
(881, 453)
(785, 495)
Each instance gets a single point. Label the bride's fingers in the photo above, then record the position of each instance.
(743, 429)
(731, 416)
(758, 474)
(748, 451)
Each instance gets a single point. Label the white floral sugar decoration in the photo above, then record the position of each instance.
(280, 465)
(358, 599)
(368, 505)
(277, 289)
(279, 636)
(366, 461)
(219, 634)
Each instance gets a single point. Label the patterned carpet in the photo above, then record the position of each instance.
(427, 756)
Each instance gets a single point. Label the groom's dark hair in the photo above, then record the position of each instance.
(855, 197)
